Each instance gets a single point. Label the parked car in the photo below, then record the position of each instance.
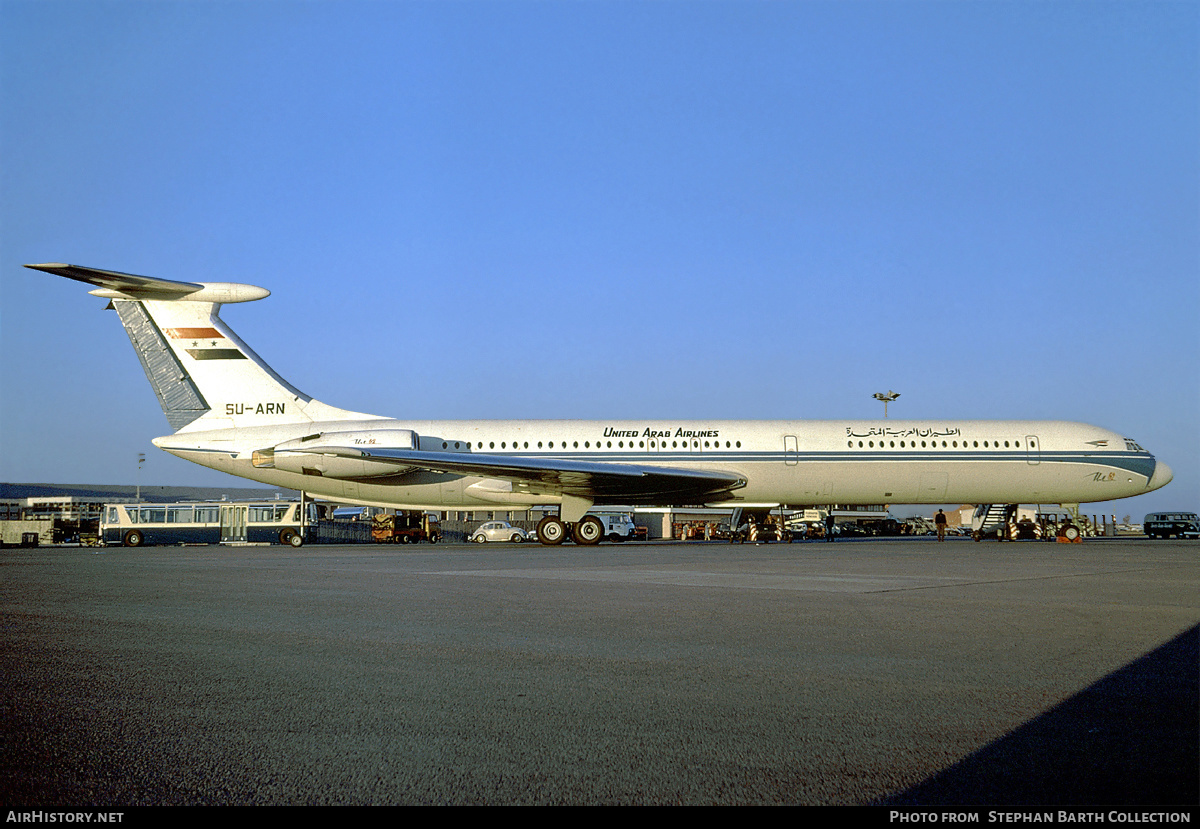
(499, 531)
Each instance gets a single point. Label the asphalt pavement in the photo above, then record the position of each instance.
(870, 672)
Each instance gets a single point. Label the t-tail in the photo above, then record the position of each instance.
(205, 377)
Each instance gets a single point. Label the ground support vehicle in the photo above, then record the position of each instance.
(759, 534)
(1024, 530)
(405, 528)
(992, 520)
(618, 526)
(226, 522)
(1167, 524)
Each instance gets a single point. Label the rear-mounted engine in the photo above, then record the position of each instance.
(331, 454)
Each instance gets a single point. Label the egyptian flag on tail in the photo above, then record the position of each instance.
(205, 343)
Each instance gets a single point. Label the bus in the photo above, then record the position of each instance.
(226, 522)
(1167, 524)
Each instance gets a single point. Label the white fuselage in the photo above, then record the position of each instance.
(791, 463)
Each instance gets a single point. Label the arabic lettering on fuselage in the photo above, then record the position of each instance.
(890, 432)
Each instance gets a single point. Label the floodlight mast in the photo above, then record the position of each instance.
(886, 398)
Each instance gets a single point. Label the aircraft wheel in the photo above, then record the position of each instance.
(1071, 533)
(551, 531)
(589, 531)
(133, 538)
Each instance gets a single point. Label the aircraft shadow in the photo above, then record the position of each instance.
(1132, 738)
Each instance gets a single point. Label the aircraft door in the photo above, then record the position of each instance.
(931, 487)
(1033, 452)
(791, 450)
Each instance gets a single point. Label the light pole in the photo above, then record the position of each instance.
(141, 460)
(886, 398)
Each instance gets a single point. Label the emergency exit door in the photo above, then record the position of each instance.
(1033, 454)
(791, 450)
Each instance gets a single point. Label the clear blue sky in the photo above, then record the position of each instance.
(611, 209)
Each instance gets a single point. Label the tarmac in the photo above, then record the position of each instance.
(875, 672)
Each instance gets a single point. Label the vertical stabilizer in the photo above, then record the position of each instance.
(204, 376)
(212, 371)
(177, 393)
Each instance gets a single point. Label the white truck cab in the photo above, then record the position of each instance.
(618, 526)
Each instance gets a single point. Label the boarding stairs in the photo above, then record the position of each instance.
(992, 520)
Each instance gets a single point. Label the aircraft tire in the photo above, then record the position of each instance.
(588, 531)
(551, 531)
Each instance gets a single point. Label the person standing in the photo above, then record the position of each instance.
(830, 527)
(940, 521)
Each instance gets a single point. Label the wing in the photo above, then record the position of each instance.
(624, 483)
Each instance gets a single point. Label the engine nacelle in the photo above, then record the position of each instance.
(323, 453)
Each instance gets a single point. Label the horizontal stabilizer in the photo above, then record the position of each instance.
(135, 287)
(116, 285)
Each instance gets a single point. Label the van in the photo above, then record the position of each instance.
(1167, 524)
(618, 526)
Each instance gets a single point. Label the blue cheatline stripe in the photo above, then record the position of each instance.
(1130, 461)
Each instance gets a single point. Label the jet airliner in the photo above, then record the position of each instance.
(232, 412)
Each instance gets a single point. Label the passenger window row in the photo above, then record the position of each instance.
(933, 444)
(587, 444)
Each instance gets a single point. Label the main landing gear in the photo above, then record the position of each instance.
(587, 531)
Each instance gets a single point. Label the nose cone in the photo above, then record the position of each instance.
(1161, 477)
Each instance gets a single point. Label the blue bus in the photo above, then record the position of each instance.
(227, 522)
